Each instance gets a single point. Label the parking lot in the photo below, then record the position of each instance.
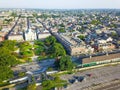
(92, 77)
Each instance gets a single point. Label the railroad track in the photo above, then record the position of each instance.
(112, 85)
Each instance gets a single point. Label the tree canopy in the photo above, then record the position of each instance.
(31, 86)
(58, 50)
(49, 48)
(5, 73)
(25, 49)
(6, 61)
(61, 30)
(64, 63)
(50, 40)
(51, 84)
(81, 37)
(1, 28)
(9, 44)
(13, 14)
(95, 22)
(34, 14)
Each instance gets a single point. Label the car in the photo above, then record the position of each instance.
(71, 81)
(81, 78)
(89, 75)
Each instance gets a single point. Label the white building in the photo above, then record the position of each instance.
(30, 35)
(43, 35)
(16, 37)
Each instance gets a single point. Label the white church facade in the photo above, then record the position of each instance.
(30, 35)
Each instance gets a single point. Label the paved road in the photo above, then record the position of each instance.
(12, 28)
(99, 75)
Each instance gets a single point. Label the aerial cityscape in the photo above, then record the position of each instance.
(59, 47)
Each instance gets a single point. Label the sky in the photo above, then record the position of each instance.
(60, 4)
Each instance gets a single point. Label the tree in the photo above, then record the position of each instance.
(47, 85)
(9, 44)
(113, 26)
(21, 74)
(114, 34)
(50, 40)
(62, 25)
(35, 15)
(5, 73)
(13, 14)
(59, 83)
(25, 49)
(81, 37)
(49, 48)
(64, 63)
(43, 16)
(39, 47)
(6, 59)
(39, 50)
(31, 86)
(58, 50)
(7, 21)
(61, 30)
(95, 22)
(51, 84)
(38, 42)
(0, 28)
(6, 62)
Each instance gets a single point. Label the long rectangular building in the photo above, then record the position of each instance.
(96, 60)
(72, 45)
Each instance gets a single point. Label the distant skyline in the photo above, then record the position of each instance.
(61, 4)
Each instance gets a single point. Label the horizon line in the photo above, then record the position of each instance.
(54, 8)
